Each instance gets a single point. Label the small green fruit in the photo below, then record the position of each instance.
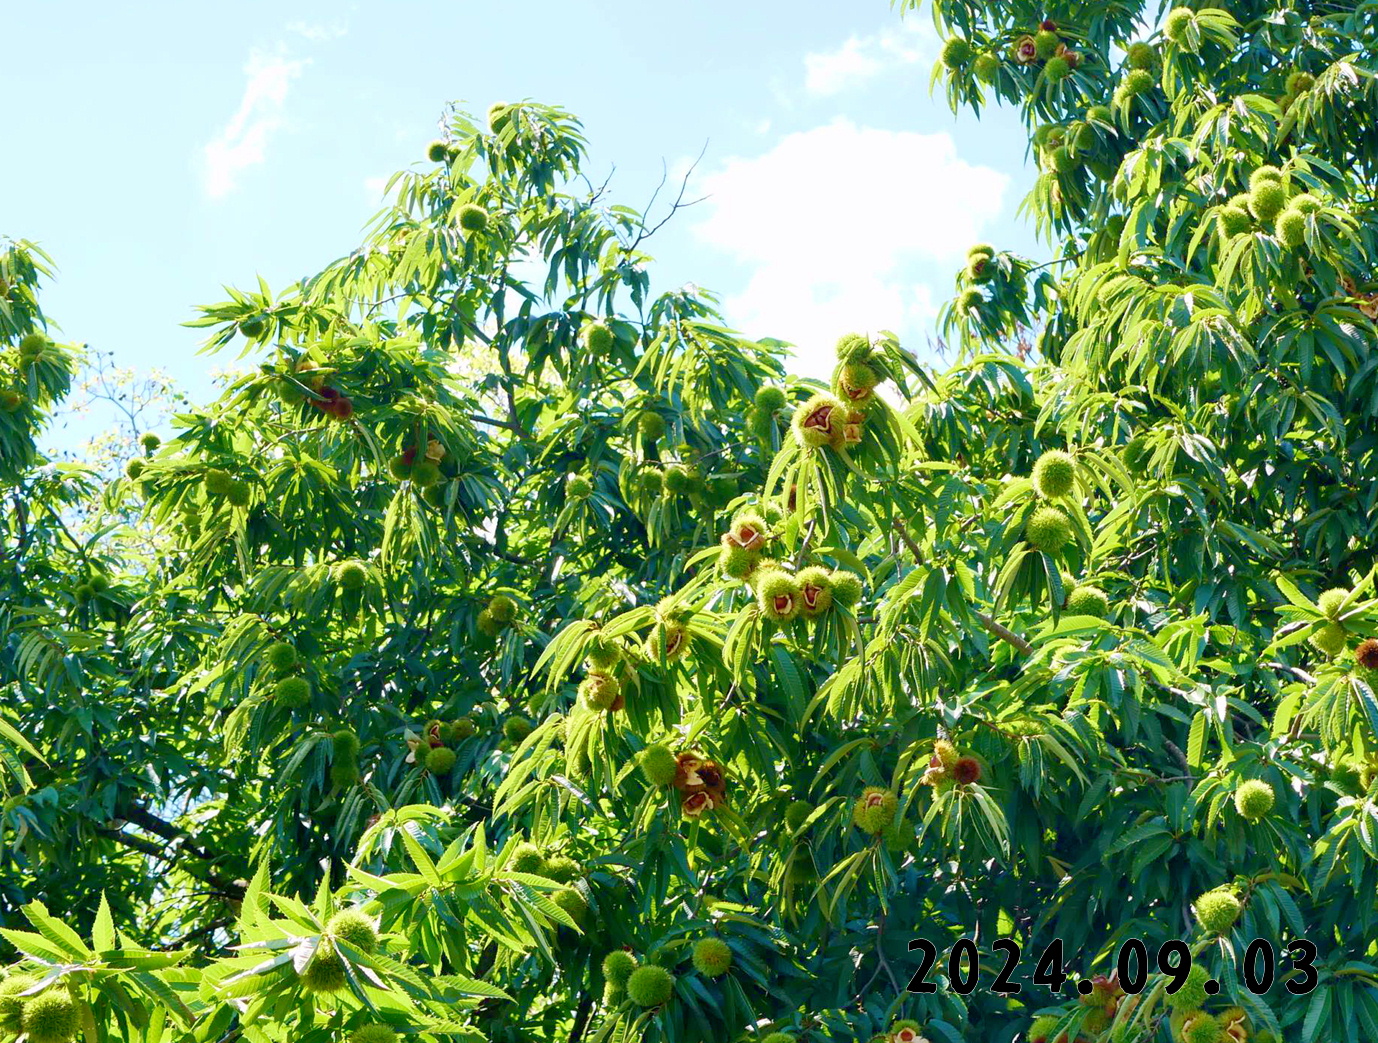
(280, 656)
(1265, 175)
(1254, 799)
(815, 591)
(437, 151)
(563, 869)
(818, 421)
(1330, 640)
(355, 928)
(650, 986)
(847, 588)
(733, 561)
(1137, 82)
(440, 760)
(473, 218)
(217, 482)
(1217, 910)
(350, 575)
(326, 971)
(898, 836)
(1267, 200)
(374, 1033)
(1200, 1027)
(344, 758)
(854, 347)
(599, 338)
(573, 903)
(712, 957)
(678, 480)
(1048, 530)
(1330, 602)
(599, 691)
(12, 1002)
(1063, 159)
(1054, 474)
(667, 640)
(292, 692)
(651, 480)
(658, 765)
(956, 53)
(1291, 228)
(652, 426)
(603, 652)
(778, 595)
(239, 493)
(32, 345)
(1142, 55)
(875, 809)
(1088, 601)
(770, 399)
(50, 1017)
(502, 608)
(1299, 82)
(618, 966)
(1045, 43)
(425, 474)
(1193, 991)
(1233, 221)
(759, 422)
(527, 858)
(1179, 20)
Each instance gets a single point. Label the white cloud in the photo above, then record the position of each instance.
(318, 31)
(243, 141)
(375, 186)
(863, 58)
(843, 227)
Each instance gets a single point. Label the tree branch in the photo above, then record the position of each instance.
(182, 840)
(230, 888)
(1002, 632)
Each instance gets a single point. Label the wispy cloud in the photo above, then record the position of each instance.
(318, 31)
(863, 58)
(376, 188)
(243, 141)
(831, 244)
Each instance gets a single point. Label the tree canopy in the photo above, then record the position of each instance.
(515, 651)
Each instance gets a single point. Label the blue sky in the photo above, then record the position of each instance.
(171, 148)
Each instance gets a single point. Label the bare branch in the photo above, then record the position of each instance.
(675, 207)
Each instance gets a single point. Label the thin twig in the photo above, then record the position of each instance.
(1002, 632)
(678, 204)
